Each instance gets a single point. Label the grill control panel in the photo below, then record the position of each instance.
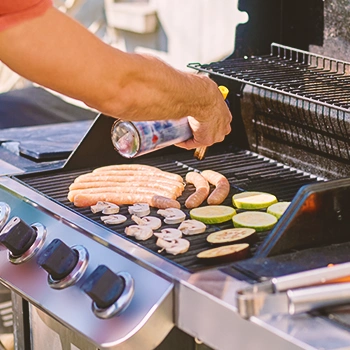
(84, 283)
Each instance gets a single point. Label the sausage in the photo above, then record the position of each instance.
(143, 170)
(161, 202)
(202, 189)
(126, 167)
(119, 189)
(222, 186)
(87, 200)
(91, 177)
(149, 184)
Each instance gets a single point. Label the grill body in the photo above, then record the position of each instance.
(290, 137)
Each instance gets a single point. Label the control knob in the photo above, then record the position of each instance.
(17, 236)
(111, 293)
(64, 264)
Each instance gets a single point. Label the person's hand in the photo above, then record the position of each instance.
(211, 123)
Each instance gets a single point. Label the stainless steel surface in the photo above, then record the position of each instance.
(4, 214)
(150, 306)
(281, 296)
(199, 298)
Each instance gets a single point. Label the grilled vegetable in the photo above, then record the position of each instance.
(192, 227)
(153, 222)
(172, 215)
(255, 219)
(113, 219)
(213, 214)
(177, 246)
(139, 209)
(253, 200)
(278, 209)
(226, 253)
(233, 235)
(141, 233)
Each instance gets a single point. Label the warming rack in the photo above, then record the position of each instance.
(301, 99)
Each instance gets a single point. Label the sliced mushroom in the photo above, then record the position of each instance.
(112, 209)
(172, 215)
(105, 207)
(192, 227)
(141, 233)
(139, 209)
(177, 246)
(113, 219)
(169, 234)
(153, 222)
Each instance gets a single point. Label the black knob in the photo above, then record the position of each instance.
(58, 259)
(104, 286)
(17, 236)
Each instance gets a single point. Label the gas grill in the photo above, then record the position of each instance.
(290, 137)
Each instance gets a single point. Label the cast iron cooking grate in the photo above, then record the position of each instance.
(245, 171)
(299, 98)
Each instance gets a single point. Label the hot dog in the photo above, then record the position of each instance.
(147, 184)
(120, 189)
(89, 199)
(222, 186)
(202, 189)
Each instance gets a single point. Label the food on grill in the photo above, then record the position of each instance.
(169, 234)
(175, 189)
(114, 219)
(202, 189)
(161, 202)
(255, 219)
(175, 247)
(213, 214)
(278, 209)
(123, 175)
(233, 235)
(192, 227)
(137, 169)
(222, 186)
(141, 233)
(139, 209)
(172, 215)
(127, 184)
(227, 253)
(251, 200)
(153, 222)
(121, 189)
(105, 207)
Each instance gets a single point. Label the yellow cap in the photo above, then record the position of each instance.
(224, 91)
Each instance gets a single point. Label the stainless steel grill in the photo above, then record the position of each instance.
(297, 131)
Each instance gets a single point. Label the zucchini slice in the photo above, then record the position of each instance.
(255, 219)
(251, 200)
(227, 253)
(233, 235)
(278, 209)
(212, 214)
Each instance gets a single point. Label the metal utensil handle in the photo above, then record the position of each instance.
(311, 277)
(307, 299)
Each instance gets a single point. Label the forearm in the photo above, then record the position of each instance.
(57, 52)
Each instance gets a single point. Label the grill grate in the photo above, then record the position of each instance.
(300, 99)
(244, 170)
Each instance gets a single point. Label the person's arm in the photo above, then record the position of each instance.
(55, 51)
